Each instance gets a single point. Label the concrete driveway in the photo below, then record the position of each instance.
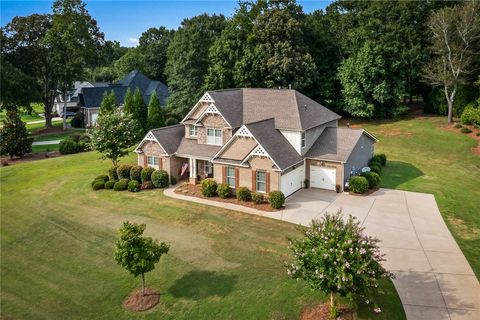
(433, 278)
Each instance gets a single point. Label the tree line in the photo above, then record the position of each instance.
(359, 58)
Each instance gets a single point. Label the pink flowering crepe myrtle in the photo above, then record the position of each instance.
(338, 258)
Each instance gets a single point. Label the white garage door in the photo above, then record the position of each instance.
(323, 178)
(292, 181)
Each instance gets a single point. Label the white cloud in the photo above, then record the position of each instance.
(133, 41)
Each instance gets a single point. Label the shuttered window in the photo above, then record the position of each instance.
(230, 173)
(261, 181)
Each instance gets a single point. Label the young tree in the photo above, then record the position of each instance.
(137, 254)
(337, 258)
(155, 113)
(14, 138)
(109, 102)
(139, 109)
(73, 41)
(128, 102)
(455, 46)
(114, 133)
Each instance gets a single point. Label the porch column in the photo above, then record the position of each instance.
(193, 170)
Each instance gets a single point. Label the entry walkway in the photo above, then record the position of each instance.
(433, 277)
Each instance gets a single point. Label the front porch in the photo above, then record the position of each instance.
(199, 169)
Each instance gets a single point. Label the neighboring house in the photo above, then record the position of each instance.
(87, 96)
(262, 139)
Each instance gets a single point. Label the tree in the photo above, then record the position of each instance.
(128, 102)
(365, 88)
(337, 258)
(23, 46)
(134, 59)
(114, 133)
(17, 89)
(154, 44)
(109, 102)
(455, 46)
(14, 138)
(188, 61)
(137, 254)
(155, 113)
(139, 109)
(73, 41)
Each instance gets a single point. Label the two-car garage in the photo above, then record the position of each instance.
(322, 177)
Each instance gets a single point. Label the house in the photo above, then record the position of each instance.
(87, 96)
(263, 139)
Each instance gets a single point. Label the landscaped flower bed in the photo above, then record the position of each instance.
(196, 191)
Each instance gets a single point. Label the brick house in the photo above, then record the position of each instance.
(263, 139)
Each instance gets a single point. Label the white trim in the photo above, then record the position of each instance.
(179, 155)
(214, 136)
(242, 132)
(212, 109)
(205, 98)
(149, 137)
(229, 164)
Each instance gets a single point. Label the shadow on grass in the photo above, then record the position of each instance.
(202, 284)
(397, 173)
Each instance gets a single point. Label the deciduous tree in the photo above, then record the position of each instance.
(109, 102)
(114, 133)
(136, 253)
(154, 44)
(14, 138)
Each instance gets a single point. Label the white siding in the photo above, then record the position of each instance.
(294, 138)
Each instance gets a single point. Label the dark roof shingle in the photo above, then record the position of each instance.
(169, 137)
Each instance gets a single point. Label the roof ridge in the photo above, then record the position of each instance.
(162, 128)
(255, 122)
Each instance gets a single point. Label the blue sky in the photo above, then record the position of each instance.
(125, 21)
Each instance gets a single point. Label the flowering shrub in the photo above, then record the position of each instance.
(337, 257)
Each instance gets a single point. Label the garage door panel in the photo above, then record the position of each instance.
(322, 177)
(292, 181)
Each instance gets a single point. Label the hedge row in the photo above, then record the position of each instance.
(371, 179)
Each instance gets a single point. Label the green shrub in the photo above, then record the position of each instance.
(376, 168)
(123, 171)
(243, 194)
(147, 185)
(146, 174)
(112, 172)
(173, 180)
(121, 185)
(84, 146)
(110, 183)
(358, 184)
(457, 126)
(103, 177)
(209, 187)
(471, 115)
(465, 130)
(374, 162)
(381, 158)
(276, 199)
(257, 197)
(68, 146)
(136, 173)
(160, 178)
(223, 190)
(373, 178)
(97, 180)
(99, 184)
(133, 186)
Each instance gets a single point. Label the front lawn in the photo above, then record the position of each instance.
(423, 157)
(57, 240)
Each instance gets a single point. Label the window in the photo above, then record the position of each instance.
(214, 136)
(230, 179)
(153, 162)
(208, 167)
(304, 139)
(193, 131)
(261, 181)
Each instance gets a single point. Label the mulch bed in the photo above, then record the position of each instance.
(322, 312)
(29, 157)
(369, 192)
(195, 191)
(138, 302)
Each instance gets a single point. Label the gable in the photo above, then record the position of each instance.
(197, 112)
(238, 149)
(213, 121)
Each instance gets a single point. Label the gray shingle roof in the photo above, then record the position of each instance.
(335, 144)
(290, 109)
(91, 97)
(192, 148)
(274, 143)
(169, 137)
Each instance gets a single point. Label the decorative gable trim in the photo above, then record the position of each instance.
(211, 109)
(148, 137)
(244, 132)
(205, 98)
(258, 151)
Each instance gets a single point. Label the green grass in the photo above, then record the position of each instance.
(57, 240)
(33, 116)
(45, 148)
(58, 135)
(33, 128)
(425, 158)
